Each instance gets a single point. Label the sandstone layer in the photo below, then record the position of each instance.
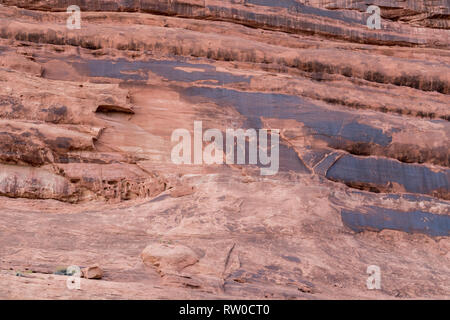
(87, 179)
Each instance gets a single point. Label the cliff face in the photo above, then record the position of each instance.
(346, 20)
(86, 175)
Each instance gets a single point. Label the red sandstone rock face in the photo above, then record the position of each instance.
(86, 177)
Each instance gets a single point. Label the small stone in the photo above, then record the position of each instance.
(93, 272)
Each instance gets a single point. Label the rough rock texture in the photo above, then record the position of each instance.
(168, 258)
(93, 272)
(86, 177)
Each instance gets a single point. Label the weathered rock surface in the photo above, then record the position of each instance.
(86, 176)
(93, 272)
(168, 258)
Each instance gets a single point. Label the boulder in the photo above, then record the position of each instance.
(92, 272)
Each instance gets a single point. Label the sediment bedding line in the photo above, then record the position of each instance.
(366, 96)
(257, 17)
(390, 176)
(378, 69)
(376, 219)
(431, 14)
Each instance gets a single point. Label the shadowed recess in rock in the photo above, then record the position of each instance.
(387, 175)
(376, 219)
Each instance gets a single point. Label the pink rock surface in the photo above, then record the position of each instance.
(86, 176)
